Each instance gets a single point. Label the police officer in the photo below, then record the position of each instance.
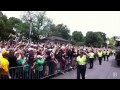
(91, 58)
(81, 64)
(108, 54)
(100, 55)
(104, 54)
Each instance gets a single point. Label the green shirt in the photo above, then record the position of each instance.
(39, 65)
(20, 61)
(26, 67)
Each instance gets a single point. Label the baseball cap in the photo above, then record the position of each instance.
(30, 49)
(39, 56)
(11, 49)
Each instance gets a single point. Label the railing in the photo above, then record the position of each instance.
(49, 69)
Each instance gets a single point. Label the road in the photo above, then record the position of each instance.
(108, 70)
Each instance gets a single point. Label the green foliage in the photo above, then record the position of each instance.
(112, 42)
(78, 38)
(95, 39)
(43, 26)
(61, 31)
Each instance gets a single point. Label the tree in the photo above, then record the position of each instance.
(62, 31)
(103, 36)
(4, 29)
(40, 24)
(94, 39)
(77, 36)
(112, 42)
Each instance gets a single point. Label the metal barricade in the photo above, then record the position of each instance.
(49, 69)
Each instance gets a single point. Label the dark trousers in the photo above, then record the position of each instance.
(81, 69)
(107, 57)
(100, 60)
(91, 62)
(4, 77)
(104, 57)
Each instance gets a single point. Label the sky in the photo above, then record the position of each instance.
(104, 21)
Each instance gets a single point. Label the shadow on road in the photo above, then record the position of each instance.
(114, 63)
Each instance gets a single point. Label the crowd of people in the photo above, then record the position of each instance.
(35, 61)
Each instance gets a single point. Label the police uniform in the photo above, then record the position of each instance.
(104, 54)
(91, 59)
(81, 67)
(108, 54)
(100, 55)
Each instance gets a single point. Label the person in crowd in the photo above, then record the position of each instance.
(38, 65)
(12, 63)
(4, 66)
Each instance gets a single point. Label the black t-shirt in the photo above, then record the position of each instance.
(58, 56)
(12, 60)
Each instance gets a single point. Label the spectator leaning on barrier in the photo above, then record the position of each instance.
(55, 62)
(4, 66)
(21, 61)
(12, 62)
(38, 65)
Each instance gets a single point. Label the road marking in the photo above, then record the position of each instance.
(114, 74)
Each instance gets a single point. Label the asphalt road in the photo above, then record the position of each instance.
(108, 70)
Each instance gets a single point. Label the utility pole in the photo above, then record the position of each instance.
(30, 32)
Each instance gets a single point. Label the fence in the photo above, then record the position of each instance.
(48, 69)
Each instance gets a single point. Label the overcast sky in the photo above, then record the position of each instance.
(104, 21)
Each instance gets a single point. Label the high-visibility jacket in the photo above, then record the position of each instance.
(82, 60)
(91, 55)
(99, 54)
(104, 52)
(4, 64)
(108, 52)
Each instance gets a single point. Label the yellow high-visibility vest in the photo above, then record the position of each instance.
(104, 52)
(91, 55)
(99, 54)
(82, 60)
(108, 53)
